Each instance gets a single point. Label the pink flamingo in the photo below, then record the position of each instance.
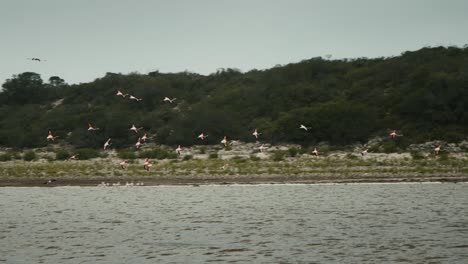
(91, 128)
(107, 143)
(135, 129)
(134, 98)
(51, 137)
(315, 152)
(437, 150)
(255, 133)
(73, 157)
(224, 141)
(167, 99)
(123, 164)
(137, 145)
(119, 93)
(202, 136)
(144, 137)
(178, 149)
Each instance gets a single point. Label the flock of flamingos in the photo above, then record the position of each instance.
(149, 164)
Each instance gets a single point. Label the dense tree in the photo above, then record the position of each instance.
(422, 93)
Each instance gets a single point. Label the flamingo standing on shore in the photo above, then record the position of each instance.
(167, 99)
(178, 149)
(394, 134)
(51, 137)
(119, 93)
(364, 152)
(437, 150)
(255, 133)
(91, 128)
(315, 152)
(202, 136)
(262, 147)
(107, 143)
(224, 141)
(73, 157)
(123, 164)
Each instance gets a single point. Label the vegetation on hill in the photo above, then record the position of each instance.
(423, 94)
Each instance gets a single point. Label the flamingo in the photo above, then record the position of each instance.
(119, 93)
(224, 141)
(123, 164)
(255, 133)
(202, 136)
(73, 157)
(134, 98)
(91, 128)
(134, 128)
(303, 127)
(144, 137)
(49, 181)
(315, 152)
(51, 137)
(145, 164)
(262, 147)
(137, 145)
(107, 143)
(178, 149)
(394, 134)
(437, 150)
(149, 166)
(364, 152)
(167, 99)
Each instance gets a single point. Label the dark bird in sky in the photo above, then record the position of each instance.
(35, 59)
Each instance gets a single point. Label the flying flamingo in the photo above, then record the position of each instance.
(51, 137)
(202, 136)
(107, 143)
(364, 152)
(437, 150)
(167, 99)
(149, 166)
(262, 147)
(134, 128)
(91, 128)
(134, 98)
(137, 145)
(73, 157)
(145, 165)
(178, 149)
(255, 133)
(119, 93)
(303, 127)
(224, 141)
(144, 137)
(123, 164)
(315, 152)
(394, 134)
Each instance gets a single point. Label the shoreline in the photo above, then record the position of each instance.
(252, 180)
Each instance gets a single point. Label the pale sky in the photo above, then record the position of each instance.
(82, 40)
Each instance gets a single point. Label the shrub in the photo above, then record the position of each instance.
(62, 154)
(202, 150)
(416, 155)
(213, 155)
(389, 147)
(126, 154)
(5, 157)
(254, 157)
(29, 155)
(187, 157)
(87, 153)
(278, 155)
(293, 152)
(157, 153)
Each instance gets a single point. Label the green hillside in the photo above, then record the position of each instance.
(423, 94)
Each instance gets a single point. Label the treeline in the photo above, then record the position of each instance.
(423, 94)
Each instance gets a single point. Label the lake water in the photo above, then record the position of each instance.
(354, 223)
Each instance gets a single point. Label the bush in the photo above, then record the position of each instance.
(62, 154)
(293, 152)
(389, 147)
(187, 157)
(416, 155)
(158, 153)
(5, 157)
(87, 153)
(254, 157)
(202, 150)
(278, 155)
(29, 155)
(213, 155)
(127, 155)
